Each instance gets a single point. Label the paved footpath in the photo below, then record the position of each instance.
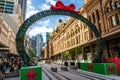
(18, 78)
(12, 78)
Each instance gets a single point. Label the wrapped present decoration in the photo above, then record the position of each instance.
(31, 73)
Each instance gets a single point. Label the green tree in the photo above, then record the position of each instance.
(66, 54)
(31, 52)
(78, 51)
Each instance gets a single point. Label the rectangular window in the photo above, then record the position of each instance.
(9, 2)
(9, 12)
(99, 26)
(86, 35)
(117, 19)
(93, 16)
(74, 41)
(113, 21)
(98, 16)
(2, 4)
(79, 39)
(89, 18)
(8, 9)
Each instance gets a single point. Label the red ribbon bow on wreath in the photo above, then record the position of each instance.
(60, 6)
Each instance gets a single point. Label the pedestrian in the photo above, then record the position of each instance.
(19, 65)
(104, 59)
(12, 67)
(3, 69)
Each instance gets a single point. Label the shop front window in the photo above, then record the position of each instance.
(114, 47)
(86, 54)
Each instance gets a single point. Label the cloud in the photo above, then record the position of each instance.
(41, 27)
(65, 17)
(47, 4)
(52, 2)
(30, 9)
(44, 6)
(38, 30)
(44, 23)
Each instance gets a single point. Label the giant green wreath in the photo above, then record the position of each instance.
(21, 32)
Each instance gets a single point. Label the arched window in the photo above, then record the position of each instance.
(98, 15)
(67, 35)
(77, 40)
(89, 18)
(72, 33)
(78, 30)
(98, 18)
(112, 5)
(107, 9)
(93, 16)
(117, 4)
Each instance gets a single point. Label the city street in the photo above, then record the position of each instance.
(78, 74)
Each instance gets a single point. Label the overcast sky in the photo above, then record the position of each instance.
(48, 23)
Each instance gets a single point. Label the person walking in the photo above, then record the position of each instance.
(3, 69)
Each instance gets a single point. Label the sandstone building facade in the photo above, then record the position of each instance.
(105, 14)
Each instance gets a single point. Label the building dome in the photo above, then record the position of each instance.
(85, 1)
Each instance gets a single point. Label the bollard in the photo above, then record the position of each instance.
(53, 69)
(64, 68)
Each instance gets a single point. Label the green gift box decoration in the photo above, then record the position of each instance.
(31, 73)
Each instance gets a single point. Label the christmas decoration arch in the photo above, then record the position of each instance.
(21, 32)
